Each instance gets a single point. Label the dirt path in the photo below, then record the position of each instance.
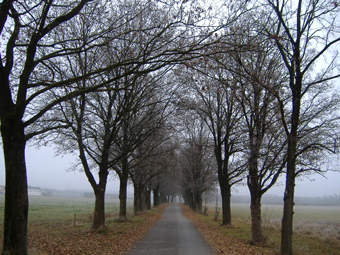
(172, 234)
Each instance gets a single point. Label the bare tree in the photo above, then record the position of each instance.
(96, 118)
(152, 158)
(93, 117)
(34, 72)
(265, 146)
(305, 33)
(26, 28)
(197, 173)
(208, 91)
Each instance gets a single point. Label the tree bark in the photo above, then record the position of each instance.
(198, 202)
(255, 195)
(148, 199)
(288, 206)
(287, 219)
(225, 196)
(16, 198)
(162, 198)
(223, 179)
(190, 200)
(256, 226)
(156, 196)
(138, 203)
(193, 201)
(122, 197)
(99, 191)
(99, 209)
(186, 198)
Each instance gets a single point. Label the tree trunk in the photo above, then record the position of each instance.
(162, 198)
(198, 202)
(142, 206)
(156, 196)
(147, 198)
(223, 179)
(191, 201)
(287, 219)
(99, 209)
(186, 198)
(255, 196)
(135, 199)
(122, 197)
(226, 208)
(256, 133)
(138, 198)
(255, 211)
(288, 207)
(99, 191)
(16, 199)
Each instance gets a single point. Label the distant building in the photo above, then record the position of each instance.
(2, 189)
(33, 191)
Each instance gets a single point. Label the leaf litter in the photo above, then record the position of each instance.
(221, 243)
(55, 237)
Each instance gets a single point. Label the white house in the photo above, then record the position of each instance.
(34, 191)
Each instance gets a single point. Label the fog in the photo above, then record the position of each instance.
(45, 170)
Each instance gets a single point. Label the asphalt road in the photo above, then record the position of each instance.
(172, 234)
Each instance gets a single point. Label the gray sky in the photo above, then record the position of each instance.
(47, 171)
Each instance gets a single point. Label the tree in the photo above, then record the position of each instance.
(152, 159)
(166, 184)
(265, 146)
(93, 117)
(135, 38)
(94, 123)
(305, 34)
(31, 85)
(208, 91)
(255, 73)
(149, 137)
(25, 27)
(96, 118)
(144, 114)
(197, 173)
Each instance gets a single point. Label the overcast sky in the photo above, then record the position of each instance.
(47, 171)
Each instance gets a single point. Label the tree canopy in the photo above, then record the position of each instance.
(175, 96)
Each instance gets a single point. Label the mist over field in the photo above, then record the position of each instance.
(47, 171)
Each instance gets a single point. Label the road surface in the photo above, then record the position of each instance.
(172, 234)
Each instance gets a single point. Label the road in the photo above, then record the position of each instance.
(172, 234)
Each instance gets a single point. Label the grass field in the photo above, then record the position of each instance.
(53, 228)
(64, 208)
(316, 228)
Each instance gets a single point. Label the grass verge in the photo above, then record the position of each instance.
(58, 236)
(219, 237)
(235, 239)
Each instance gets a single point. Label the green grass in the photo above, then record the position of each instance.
(51, 228)
(42, 208)
(316, 228)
